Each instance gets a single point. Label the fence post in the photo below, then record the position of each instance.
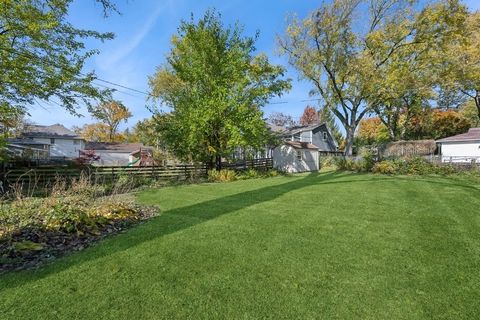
(113, 175)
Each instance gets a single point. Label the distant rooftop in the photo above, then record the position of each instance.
(472, 135)
(54, 131)
(115, 147)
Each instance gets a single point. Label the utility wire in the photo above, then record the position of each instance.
(30, 56)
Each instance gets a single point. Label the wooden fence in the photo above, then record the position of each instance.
(42, 176)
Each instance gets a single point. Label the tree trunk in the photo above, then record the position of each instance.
(477, 103)
(218, 160)
(349, 140)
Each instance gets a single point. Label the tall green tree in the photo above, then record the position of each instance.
(42, 55)
(215, 87)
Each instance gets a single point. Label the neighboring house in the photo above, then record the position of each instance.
(318, 134)
(58, 141)
(295, 156)
(121, 154)
(464, 147)
(302, 147)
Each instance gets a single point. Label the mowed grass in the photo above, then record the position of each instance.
(319, 246)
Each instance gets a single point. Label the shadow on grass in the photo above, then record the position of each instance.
(185, 217)
(170, 222)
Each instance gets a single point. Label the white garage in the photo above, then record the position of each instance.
(464, 147)
(296, 156)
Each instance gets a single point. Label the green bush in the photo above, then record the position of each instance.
(385, 167)
(413, 166)
(347, 164)
(368, 160)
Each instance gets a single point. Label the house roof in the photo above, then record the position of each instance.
(28, 142)
(298, 129)
(301, 145)
(115, 147)
(54, 131)
(472, 135)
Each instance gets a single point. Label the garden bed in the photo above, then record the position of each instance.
(37, 230)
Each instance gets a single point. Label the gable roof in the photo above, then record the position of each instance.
(54, 131)
(115, 147)
(472, 135)
(298, 129)
(301, 145)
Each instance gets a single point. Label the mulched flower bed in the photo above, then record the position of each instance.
(30, 248)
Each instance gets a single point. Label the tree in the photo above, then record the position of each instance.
(215, 88)
(146, 132)
(42, 55)
(459, 57)
(309, 116)
(328, 49)
(281, 119)
(98, 132)
(469, 111)
(372, 131)
(111, 113)
(436, 124)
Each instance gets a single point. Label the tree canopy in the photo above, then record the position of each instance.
(42, 55)
(394, 63)
(215, 87)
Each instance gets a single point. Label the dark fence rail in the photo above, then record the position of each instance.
(42, 176)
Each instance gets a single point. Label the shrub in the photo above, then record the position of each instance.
(327, 162)
(347, 164)
(368, 160)
(223, 175)
(249, 174)
(385, 167)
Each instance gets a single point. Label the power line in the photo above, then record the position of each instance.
(126, 87)
(45, 59)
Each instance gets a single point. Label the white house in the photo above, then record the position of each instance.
(58, 141)
(296, 156)
(119, 154)
(464, 147)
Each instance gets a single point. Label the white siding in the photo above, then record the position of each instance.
(285, 159)
(63, 147)
(460, 151)
(112, 158)
(306, 136)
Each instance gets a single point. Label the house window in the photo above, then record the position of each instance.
(52, 140)
(76, 141)
(325, 136)
(299, 155)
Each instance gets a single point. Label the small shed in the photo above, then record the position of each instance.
(463, 147)
(119, 154)
(296, 156)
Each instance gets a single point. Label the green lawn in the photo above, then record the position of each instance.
(329, 245)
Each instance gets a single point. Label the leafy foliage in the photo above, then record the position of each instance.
(42, 55)
(215, 88)
(372, 131)
(309, 116)
(111, 114)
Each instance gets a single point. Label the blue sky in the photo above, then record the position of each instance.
(143, 31)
